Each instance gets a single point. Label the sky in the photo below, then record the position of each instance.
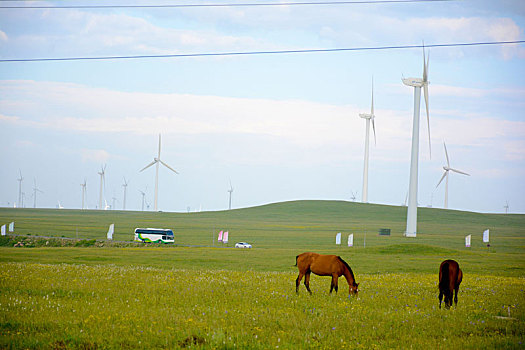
(280, 127)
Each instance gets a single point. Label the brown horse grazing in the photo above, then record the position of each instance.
(324, 265)
(450, 276)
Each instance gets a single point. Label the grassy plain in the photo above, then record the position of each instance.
(204, 296)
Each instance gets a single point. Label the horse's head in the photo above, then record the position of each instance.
(354, 289)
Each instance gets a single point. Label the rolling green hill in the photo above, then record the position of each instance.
(301, 223)
(280, 231)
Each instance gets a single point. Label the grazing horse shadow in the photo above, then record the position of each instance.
(450, 277)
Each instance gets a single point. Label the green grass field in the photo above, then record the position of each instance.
(202, 295)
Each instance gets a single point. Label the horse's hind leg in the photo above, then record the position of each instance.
(307, 282)
(456, 296)
(298, 281)
(440, 297)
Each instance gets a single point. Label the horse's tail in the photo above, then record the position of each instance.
(444, 280)
(296, 260)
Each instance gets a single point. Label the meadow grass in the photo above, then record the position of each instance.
(107, 306)
(199, 294)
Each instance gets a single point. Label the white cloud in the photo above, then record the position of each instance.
(94, 155)
(307, 125)
(80, 33)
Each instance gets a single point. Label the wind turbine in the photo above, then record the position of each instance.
(158, 161)
(35, 190)
(506, 206)
(417, 84)
(125, 185)
(143, 194)
(353, 196)
(20, 179)
(230, 191)
(447, 169)
(368, 117)
(102, 175)
(83, 185)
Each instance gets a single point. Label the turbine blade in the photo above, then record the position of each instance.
(425, 89)
(147, 166)
(372, 109)
(446, 154)
(442, 177)
(159, 147)
(374, 128)
(167, 166)
(459, 172)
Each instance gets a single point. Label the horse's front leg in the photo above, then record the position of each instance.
(456, 296)
(333, 285)
(440, 297)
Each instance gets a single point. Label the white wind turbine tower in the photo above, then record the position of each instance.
(125, 185)
(447, 169)
(35, 190)
(102, 177)
(20, 179)
(83, 185)
(368, 118)
(506, 206)
(230, 191)
(158, 161)
(417, 84)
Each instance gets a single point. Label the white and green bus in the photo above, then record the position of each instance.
(154, 235)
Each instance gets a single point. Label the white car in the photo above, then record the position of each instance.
(242, 245)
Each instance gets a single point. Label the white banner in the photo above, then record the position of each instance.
(467, 241)
(220, 237)
(486, 236)
(3, 230)
(351, 240)
(12, 227)
(225, 237)
(110, 231)
(338, 238)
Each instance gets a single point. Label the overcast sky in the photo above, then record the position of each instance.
(280, 127)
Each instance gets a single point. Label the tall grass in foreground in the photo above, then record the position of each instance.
(88, 307)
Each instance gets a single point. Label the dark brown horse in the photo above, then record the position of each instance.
(450, 276)
(324, 265)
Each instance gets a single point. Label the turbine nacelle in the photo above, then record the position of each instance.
(414, 82)
(366, 116)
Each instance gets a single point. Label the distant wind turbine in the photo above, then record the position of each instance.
(158, 161)
(35, 190)
(83, 185)
(506, 206)
(447, 169)
(353, 196)
(20, 179)
(417, 84)
(230, 191)
(125, 185)
(143, 195)
(368, 117)
(102, 178)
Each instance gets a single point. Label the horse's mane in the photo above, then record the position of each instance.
(348, 267)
